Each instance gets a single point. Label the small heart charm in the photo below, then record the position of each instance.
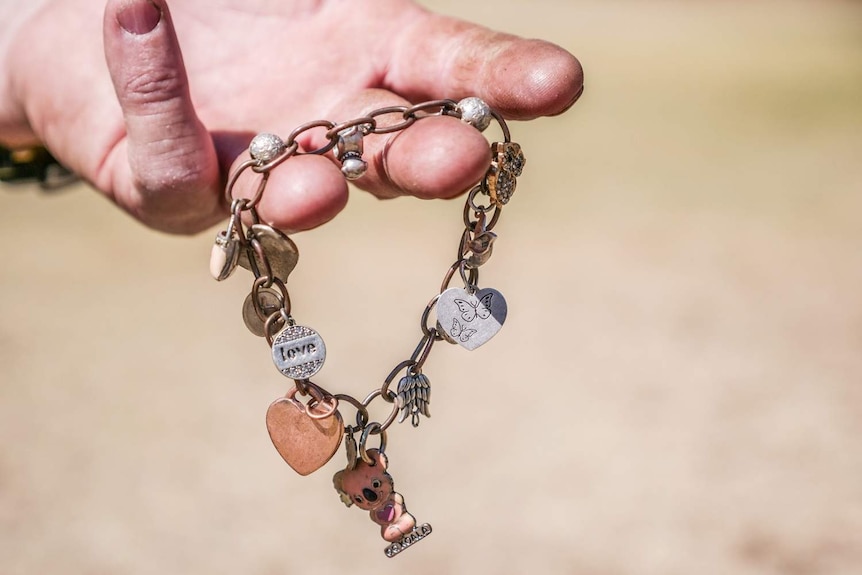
(305, 443)
(225, 255)
(281, 252)
(470, 320)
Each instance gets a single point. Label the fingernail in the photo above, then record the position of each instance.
(139, 17)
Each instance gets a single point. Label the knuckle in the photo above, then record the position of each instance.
(153, 87)
(170, 170)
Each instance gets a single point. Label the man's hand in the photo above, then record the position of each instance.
(157, 130)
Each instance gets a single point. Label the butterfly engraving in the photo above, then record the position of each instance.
(469, 310)
(461, 332)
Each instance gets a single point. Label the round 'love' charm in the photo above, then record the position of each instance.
(298, 352)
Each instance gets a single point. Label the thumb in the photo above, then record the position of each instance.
(165, 171)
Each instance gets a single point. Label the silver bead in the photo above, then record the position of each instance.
(349, 142)
(266, 147)
(475, 112)
(354, 168)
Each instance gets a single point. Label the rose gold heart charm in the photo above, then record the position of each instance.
(306, 436)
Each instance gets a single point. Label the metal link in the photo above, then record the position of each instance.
(447, 279)
(471, 200)
(283, 296)
(463, 248)
(423, 323)
(372, 429)
(367, 123)
(253, 258)
(302, 385)
(400, 110)
(447, 107)
(389, 398)
(228, 190)
(470, 277)
(255, 218)
(271, 328)
(234, 225)
(423, 350)
(384, 391)
(288, 152)
(507, 137)
(362, 416)
(319, 396)
(310, 126)
(469, 209)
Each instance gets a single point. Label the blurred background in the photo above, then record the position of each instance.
(677, 390)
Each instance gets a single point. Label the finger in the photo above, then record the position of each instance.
(302, 193)
(441, 57)
(436, 157)
(170, 177)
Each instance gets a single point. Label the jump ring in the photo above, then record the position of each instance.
(372, 428)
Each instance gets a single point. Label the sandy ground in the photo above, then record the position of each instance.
(677, 390)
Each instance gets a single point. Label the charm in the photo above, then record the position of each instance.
(280, 251)
(419, 533)
(298, 352)
(225, 254)
(414, 396)
(507, 163)
(475, 112)
(470, 320)
(255, 314)
(482, 246)
(370, 487)
(349, 153)
(305, 437)
(307, 431)
(265, 147)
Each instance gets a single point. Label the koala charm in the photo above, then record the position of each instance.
(370, 487)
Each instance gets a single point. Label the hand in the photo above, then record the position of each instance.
(157, 130)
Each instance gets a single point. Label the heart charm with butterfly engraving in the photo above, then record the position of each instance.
(470, 319)
(305, 437)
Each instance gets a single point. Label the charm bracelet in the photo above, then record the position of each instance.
(306, 425)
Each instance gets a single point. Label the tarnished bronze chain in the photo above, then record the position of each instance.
(481, 213)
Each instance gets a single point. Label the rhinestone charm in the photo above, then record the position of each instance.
(266, 147)
(506, 165)
(475, 112)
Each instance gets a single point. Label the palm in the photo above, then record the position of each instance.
(295, 66)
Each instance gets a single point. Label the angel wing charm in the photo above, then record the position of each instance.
(414, 395)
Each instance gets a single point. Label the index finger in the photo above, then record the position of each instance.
(442, 57)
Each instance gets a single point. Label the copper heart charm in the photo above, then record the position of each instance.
(306, 438)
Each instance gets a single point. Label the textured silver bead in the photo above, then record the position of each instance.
(475, 112)
(266, 147)
(354, 168)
